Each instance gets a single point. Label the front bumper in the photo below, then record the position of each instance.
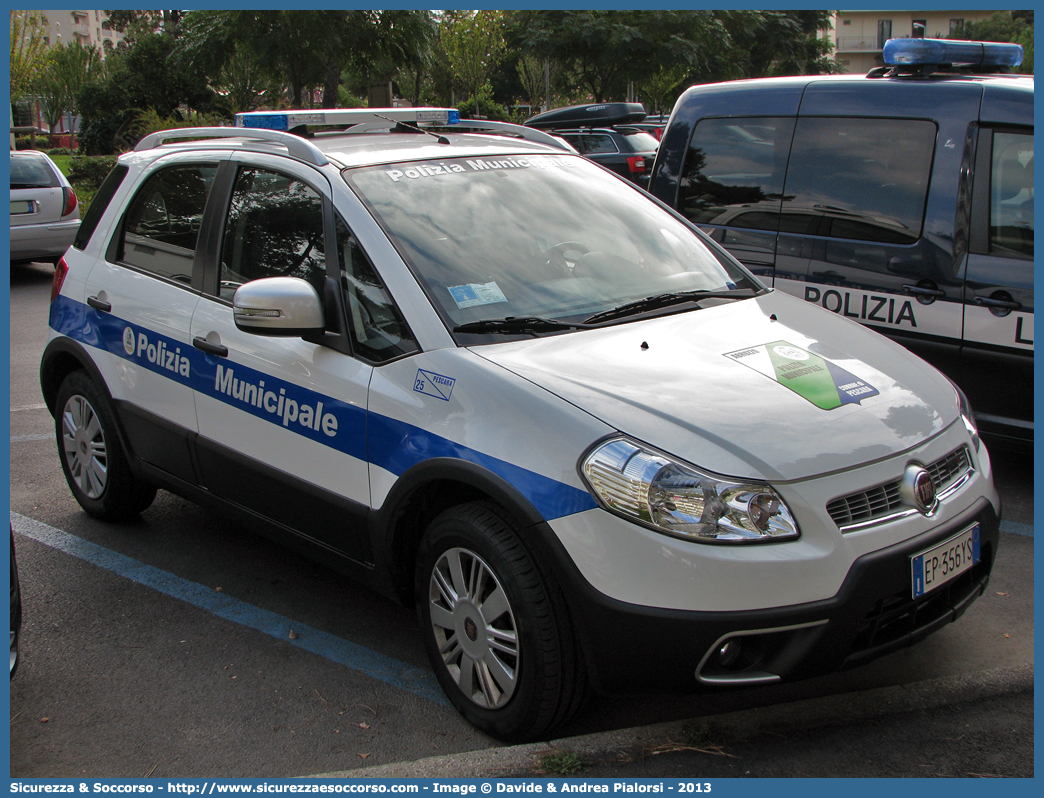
(871, 615)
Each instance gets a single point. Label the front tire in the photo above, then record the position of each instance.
(498, 638)
(92, 456)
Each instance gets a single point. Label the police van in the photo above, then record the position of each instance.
(901, 199)
(496, 382)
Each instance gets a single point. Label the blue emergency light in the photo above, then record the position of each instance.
(917, 52)
(288, 120)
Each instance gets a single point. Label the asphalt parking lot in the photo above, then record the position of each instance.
(183, 645)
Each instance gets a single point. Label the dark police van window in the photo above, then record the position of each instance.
(843, 178)
(864, 179)
(1011, 195)
(275, 229)
(162, 224)
(734, 172)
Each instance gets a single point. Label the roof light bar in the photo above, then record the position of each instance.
(917, 52)
(288, 120)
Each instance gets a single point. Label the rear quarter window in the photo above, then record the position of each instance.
(102, 198)
(641, 142)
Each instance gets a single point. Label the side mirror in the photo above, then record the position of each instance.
(283, 306)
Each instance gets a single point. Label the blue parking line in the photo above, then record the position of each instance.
(1017, 529)
(385, 669)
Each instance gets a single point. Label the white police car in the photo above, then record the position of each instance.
(489, 378)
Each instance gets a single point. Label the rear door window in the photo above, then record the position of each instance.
(862, 179)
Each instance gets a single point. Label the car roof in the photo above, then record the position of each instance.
(1018, 82)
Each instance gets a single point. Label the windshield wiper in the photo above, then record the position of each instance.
(666, 300)
(517, 324)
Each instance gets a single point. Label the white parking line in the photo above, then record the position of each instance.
(398, 674)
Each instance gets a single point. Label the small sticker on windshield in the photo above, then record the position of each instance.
(474, 294)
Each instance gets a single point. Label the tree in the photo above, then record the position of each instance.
(305, 48)
(661, 90)
(609, 48)
(136, 24)
(134, 80)
(67, 68)
(28, 50)
(774, 43)
(474, 45)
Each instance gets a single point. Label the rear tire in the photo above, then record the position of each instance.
(93, 460)
(498, 637)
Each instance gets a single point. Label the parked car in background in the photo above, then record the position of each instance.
(654, 125)
(901, 199)
(611, 134)
(16, 608)
(44, 212)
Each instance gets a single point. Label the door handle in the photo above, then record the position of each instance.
(99, 304)
(211, 349)
(917, 290)
(1003, 304)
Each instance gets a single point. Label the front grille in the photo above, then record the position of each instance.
(884, 500)
(900, 619)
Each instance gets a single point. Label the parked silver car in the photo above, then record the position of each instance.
(45, 214)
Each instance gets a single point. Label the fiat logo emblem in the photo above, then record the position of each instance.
(918, 489)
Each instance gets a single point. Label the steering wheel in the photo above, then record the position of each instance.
(555, 256)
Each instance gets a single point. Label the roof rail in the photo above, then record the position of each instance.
(299, 148)
(527, 133)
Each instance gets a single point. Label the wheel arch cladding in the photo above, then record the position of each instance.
(423, 493)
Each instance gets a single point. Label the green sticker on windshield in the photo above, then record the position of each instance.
(821, 382)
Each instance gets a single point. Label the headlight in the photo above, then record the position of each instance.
(967, 415)
(652, 489)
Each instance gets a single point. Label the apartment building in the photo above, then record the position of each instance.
(85, 27)
(859, 36)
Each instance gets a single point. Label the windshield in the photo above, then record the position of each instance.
(535, 236)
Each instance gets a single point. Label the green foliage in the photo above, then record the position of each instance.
(66, 70)
(99, 134)
(562, 763)
(608, 49)
(306, 48)
(28, 51)
(774, 43)
(489, 109)
(23, 142)
(474, 46)
(90, 171)
(144, 77)
(56, 151)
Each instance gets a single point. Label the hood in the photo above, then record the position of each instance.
(769, 388)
